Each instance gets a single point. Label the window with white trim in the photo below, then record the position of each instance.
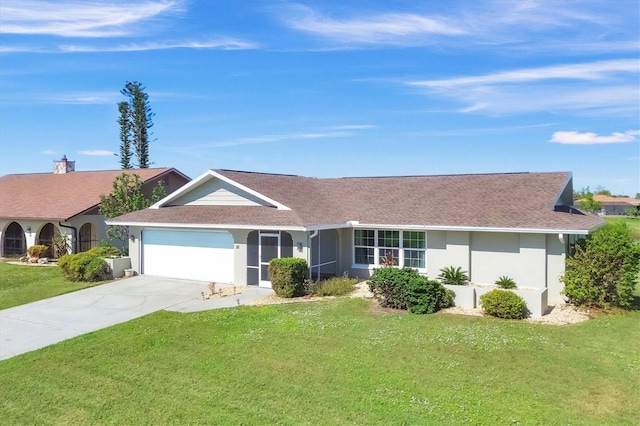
(408, 248)
(414, 245)
(364, 246)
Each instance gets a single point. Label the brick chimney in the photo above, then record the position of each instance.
(63, 166)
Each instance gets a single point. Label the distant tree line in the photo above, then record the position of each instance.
(585, 201)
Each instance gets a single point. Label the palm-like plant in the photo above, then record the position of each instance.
(453, 276)
(506, 282)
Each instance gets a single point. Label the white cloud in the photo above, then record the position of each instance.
(590, 138)
(97, 153)
(355, 127)
(82, 98)
(597, 87)
(385, 28)
(281, 137)
(80, 19)
(543, 25)
(223, 44)
(48, 152)
(587, 71)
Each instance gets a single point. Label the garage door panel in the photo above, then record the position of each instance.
(194, 255)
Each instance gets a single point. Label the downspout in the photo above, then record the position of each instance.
(311, 236)
(75, 236)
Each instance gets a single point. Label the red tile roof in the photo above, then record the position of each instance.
(60, 196)
(511, 200)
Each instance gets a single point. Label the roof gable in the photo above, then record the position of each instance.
(62, 196)
(214, 189)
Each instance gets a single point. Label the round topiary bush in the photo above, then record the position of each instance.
(288, 276)
(503, 304)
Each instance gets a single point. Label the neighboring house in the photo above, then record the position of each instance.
(36, 208)
(616, 206)
(226, 226)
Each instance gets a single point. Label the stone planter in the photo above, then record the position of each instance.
(535, 298)
(118, 265)
(465, 295)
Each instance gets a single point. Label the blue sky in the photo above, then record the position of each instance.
(329, 88)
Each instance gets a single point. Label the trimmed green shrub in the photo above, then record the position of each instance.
(503, 304)
(405, 288)
(334, 286)
(447, 299)
(288, 275)
(425, 296)
(38, 250)
(389, 286)
(506, 282)
(84, 266)
(603, 272)
(105, 251)
(453, 276)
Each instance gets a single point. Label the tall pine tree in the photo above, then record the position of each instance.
(136, 127)
(125, 135)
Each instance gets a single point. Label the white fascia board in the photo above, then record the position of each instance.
(474, 229)
(325, 227)
(206, 226)
(205, 177)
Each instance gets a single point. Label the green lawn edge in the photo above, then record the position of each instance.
(20, 284)
(331, 362)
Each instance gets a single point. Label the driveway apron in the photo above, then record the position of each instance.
(35, 325)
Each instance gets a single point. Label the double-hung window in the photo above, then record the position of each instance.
(413, 243)
(364, 246)
(406, 248)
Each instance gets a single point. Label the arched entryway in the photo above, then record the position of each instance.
(87, 237)
(46, 237)
(15, 243)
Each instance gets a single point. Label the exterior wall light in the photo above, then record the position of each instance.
(299, 245)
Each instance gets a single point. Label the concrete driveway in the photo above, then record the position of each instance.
(36, 325)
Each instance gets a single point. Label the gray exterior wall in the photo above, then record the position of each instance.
(532, 260)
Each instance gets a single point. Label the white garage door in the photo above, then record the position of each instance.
(187, 254)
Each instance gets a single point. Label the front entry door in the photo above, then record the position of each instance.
(269, 249)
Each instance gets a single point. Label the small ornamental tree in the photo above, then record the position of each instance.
(603, 272)
(127, 197)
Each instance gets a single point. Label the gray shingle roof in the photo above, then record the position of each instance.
(508, 200)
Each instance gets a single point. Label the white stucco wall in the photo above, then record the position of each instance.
(556, 256)
(135, 252)
(100, 227)
(31, 236)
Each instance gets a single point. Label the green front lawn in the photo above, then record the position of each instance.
(332, 362)
(20, 284)
(632, 222)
